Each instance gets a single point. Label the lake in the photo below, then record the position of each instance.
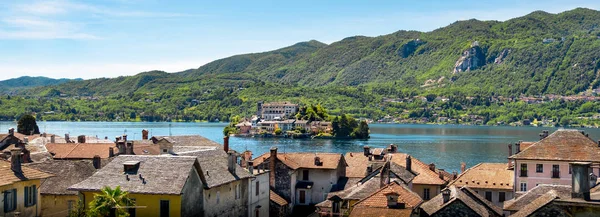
(445, 145)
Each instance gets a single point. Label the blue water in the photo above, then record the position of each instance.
(445, 145)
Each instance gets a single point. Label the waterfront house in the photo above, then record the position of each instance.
(143, 177)
(493, 181)
(317, 127)
(560, 200)
(244, 127)
(56, 200)
(19, 186)
(455, 201)
(547, 161)
(303, 178)
(394, 199)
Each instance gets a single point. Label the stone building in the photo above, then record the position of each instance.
(454, 201)
(303, 178)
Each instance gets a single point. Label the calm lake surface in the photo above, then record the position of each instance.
(445, 145)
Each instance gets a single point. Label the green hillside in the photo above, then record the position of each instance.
(29, 82)
(537, 54)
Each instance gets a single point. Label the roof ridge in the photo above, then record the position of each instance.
(463, 173)
(77, 145)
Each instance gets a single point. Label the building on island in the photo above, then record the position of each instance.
(276, 110)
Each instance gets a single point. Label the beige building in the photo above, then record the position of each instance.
(276, 110)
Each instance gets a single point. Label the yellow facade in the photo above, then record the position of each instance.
(34, 210)
(151, 202)
(57, 205)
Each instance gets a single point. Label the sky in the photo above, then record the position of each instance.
(111, 38)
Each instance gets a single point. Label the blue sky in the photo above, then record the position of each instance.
(92, 39)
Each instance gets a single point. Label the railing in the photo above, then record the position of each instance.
(555, 174)
(523, 173)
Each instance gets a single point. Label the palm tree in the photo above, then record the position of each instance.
(110, 202)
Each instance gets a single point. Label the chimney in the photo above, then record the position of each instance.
(369, 169)
(250, 166)
(97, 162)
(129, 148)
(580, 180)
(318, 161)
(509, 150)
(11, 131)
(518, 147)
(392, 200)
(117, 139)
(367, 150)
(15, 160)
(81, 139)
(26, 140)
(432, 167)
(67, 139)
(272, 160)
(384, 175)
(226, 144)
(125, 137)
(441, 174)
(454, 175)
(231, 159)
(144, 134)
(408, 163)
(53, 139)
(111, 152)
(463, 167)
(446, 195)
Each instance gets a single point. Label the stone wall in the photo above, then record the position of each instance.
(222, 201)
(191, 199)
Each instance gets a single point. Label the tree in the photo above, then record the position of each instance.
(110, 202)
(362, 131)
(278, 131)
(27, 125)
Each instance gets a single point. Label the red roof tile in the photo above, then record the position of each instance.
(9, 176)
(79, 151)
(562, 145)
(486, 176)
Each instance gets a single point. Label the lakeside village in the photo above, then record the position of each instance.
(49, 175)
(288, 120)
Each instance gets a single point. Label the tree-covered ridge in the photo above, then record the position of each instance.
(29, 82)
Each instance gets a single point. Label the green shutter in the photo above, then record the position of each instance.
(14, 204)
(5, 201)
(35, 193)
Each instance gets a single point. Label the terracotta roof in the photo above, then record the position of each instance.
(304, 160)
(79, 150)
(562, 145)
(486, 176)
(425, 175)
(470, 198)
(10, 177)
(516, 204)
(66, 173)
(277, 199)
(536, 204)
(380, 212)
(525, 145)
(146, 149)
(379, 199)
(161, 174)
(358, 163)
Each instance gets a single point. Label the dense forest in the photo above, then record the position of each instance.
(534, 55)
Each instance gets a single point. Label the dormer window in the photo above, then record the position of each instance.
(392, 201)
(131, 167)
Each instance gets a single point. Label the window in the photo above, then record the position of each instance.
(523, 186)
(501, 197)
(164, 208)
(257, 187)
(218, 197)
(426, 194)
(523, 170)
(555, 171)
(539, 168)
(30, 195)
(488, 196)
(302, 199)
(305, 175)
(10, 200)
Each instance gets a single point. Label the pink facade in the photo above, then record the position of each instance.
(533, 177)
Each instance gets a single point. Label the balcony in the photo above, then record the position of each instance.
(555, 174)
(523, 173)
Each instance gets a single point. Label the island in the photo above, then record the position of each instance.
(289, 120)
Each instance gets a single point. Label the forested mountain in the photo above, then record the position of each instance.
(537, 54)
(28, 82)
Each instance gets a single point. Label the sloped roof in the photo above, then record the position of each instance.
(304, 160)
(277, 199)
(563, 191)
(215, 169)
(486, 176)
(189, 140)
(425, 175)
(66, 173)
(562, 145)
(358, 163)
(470, 198)
(380, 212)
(163, 174)
(379, 199)
(79, 150)
(10, 177)
(536, 204)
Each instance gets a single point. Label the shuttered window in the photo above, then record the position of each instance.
(10, 200)
(30, 195)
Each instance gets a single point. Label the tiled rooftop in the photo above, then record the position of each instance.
(277, 199)
(66, 173)
(304, 160)
(10, 177)
(562, 145)
(563, 191)
(425, 175)
(80, 150)
(486, 176)
(467, 196)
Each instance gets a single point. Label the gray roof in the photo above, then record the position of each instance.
(163, 175)
(214, 168)
(470, 198)
(563, 191)
(190, 140)
(66, 173)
